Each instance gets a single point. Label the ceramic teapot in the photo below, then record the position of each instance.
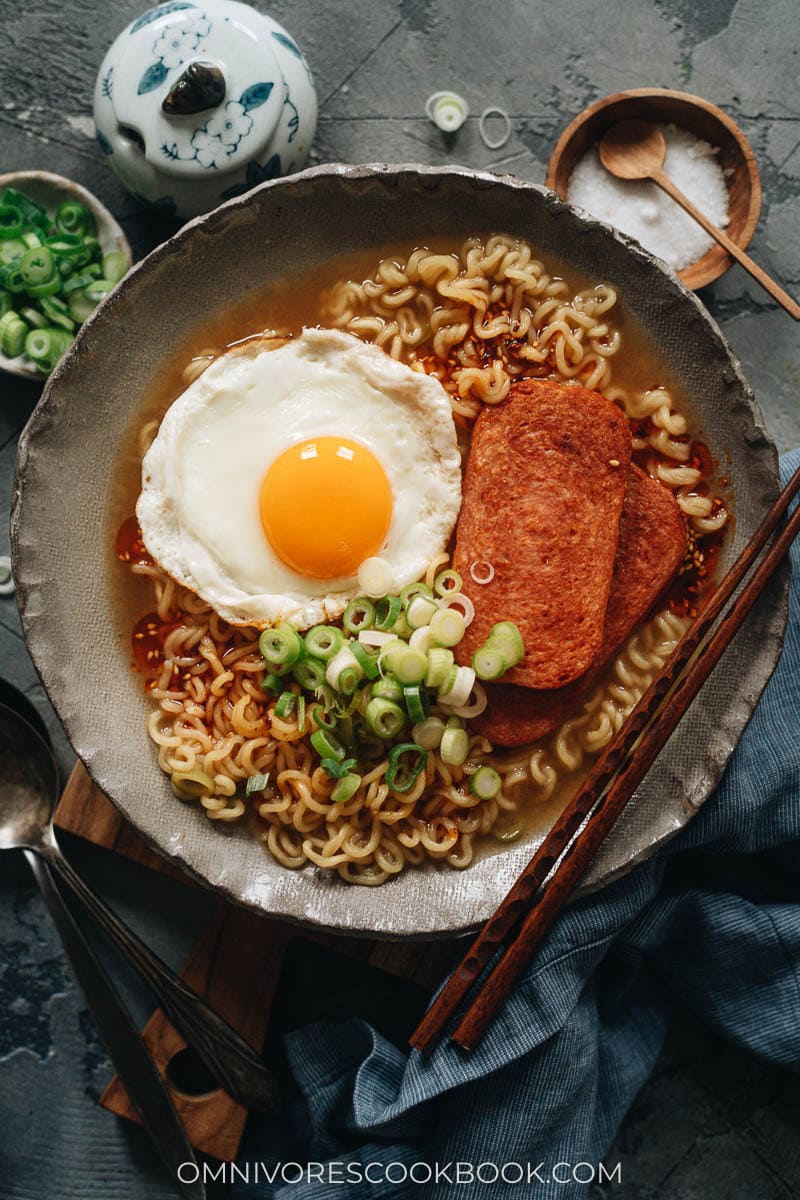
(198, 102)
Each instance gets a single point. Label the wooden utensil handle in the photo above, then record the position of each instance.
(774, 289)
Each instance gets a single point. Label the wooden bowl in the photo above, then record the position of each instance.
(699, 117)
(48, 191)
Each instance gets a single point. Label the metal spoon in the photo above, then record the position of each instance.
(636, 150)
(26, 782)
(29, 791)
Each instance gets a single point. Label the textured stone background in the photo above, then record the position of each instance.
(710, 1123)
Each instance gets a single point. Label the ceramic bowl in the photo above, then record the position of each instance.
(64, 521)
(48, 191)
(699, 117)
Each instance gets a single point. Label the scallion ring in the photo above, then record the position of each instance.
(385, 718)
(327, 745)
(324, 641)
(387, 610)
(359, 614)
(485, 783)
(282, 646)
(447, 627)
(368, 662)
(375, 577)
(309, 673)
(346, 788)
(416, 701)
(285, 706)
(447, 582)
(406, 763)
(428, 733)
(322, 718)
(256, 783)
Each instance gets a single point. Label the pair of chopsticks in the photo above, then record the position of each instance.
(536, 899)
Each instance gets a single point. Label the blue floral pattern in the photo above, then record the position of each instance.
(160, 10)
(107, 84)
(219, 138)
(171, 49)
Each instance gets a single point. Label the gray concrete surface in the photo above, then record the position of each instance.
(710, 1123)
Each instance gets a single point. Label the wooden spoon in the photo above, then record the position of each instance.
(636, 150)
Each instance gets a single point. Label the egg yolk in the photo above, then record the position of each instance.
(326, 505)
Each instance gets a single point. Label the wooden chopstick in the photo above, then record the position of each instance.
(529, 909)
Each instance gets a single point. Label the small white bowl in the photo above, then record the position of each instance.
(48, 191)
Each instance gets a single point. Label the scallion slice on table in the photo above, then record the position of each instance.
(52, 275)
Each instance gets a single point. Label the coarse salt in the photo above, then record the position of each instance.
(640, 208)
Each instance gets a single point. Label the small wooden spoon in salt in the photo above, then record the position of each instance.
(636, 150)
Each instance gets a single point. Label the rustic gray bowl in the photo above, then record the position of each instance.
(64, 476)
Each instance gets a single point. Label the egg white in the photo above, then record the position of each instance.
(201, 478)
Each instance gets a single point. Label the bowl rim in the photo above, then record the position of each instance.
(714, 271)
(105, 220)
(209, 223)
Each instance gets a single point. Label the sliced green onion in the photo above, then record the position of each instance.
(473, 706)
(5, 302)
(447, 582)
(309, 673)
(447, 627)
(285, 705)
(39, 290)
(488, 661)
(76, 282)
(421, 639)
(37, 265)
(191, 785)
(31, 239)
(416, 699)
(420, 610)
(332, 767)
(375, 577)
(485, 783)
(11, 223)
(460, 603)
(14, 334)
(454, 746)
(80, 307)
(57, 313)
(344, 671)
(389, 654)
(31, 213)
(385, 718)
(376, 637)
(406, 762)
(387, 610)
(368, 662)
(324, 641)
(98, 289)
(507, 637)
(12, 278)
(281, 647)
(411, 590)
(39, 346)
(115, 266)
(428, 733)
(440, 662)
(346, 788)
(327, 745)
(301, 714)
(72, 217)
(11, 250)
(388, 688)
(325, 720)
(33, 317)
(256, 783)
(272, 683)
(359, 614)
(401, 627)
(458, 689)
(410, 666)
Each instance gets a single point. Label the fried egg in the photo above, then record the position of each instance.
(277, 472)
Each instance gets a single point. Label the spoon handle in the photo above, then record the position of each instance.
(128, 1052)
(760, 275)
(225, 1052)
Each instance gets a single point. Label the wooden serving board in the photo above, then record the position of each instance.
(236, 966)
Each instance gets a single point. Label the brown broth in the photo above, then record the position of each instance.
(286, 308)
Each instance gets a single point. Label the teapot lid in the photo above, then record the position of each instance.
(198, 86)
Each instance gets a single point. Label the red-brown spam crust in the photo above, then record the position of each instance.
(652, 543)
(542, 498)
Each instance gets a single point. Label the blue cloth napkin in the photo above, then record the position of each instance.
(711, 920)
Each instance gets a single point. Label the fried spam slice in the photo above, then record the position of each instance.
(651, 547)
(542, 498)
